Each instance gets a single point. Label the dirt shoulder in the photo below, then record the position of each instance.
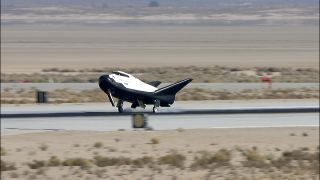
(180, 154)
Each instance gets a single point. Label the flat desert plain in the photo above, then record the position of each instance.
(245, 153)
(30, 48)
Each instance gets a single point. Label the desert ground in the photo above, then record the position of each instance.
(248, 153)
(41, 41)
(31, 48)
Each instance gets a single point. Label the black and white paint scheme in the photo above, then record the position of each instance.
(126, 87)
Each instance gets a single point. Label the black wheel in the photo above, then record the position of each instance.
(120, 106)
(155, 109)
(120, 109)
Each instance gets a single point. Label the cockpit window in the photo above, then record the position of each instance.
(120, 74)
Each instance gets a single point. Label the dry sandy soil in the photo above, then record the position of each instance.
(30, 48)
(255, 153)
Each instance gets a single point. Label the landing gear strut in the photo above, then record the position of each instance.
(120, 106)
(156, 105)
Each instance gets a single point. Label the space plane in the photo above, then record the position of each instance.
(126, 87)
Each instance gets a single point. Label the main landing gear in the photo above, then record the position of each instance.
(120, 106)
(156, 105)
(134, 105)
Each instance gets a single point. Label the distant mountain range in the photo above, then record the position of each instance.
(162, 3)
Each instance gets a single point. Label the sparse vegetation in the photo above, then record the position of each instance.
(83, 163)
(106, 161)
(141, 162)
(173, 159)
(43, 147)
(98, 145)
(206, 159)
(96, 95)
(2, 151)
(171, 74)
(5, 166)
(54, 161)
(14, 175)
(154, 141)
(254, 159)
(36, 164)
(288, 162)
(292, 134)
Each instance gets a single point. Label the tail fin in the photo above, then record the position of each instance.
(172, 89)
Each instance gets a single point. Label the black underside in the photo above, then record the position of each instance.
(165, 96)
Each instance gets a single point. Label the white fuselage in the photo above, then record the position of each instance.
(131, 82)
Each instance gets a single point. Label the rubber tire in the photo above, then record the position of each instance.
(120, 109)
(155, 109)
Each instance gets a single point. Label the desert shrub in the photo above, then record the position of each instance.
(220, 158)
(202, 161)
(300, 155)
(140, 162)
(154, 141)
(2, 151)
(14, 175)
(173, 159)
(5, 166)
(254, 159)
(305, 134)
(98, 145)
(54, 161)
(106, 161)
(305, 160)
(35, 164)
(43, 147)
(83, 163)
(180, 130)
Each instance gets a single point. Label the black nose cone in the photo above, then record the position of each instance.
(103, 81)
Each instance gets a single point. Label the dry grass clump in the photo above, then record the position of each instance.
(43, 147)
(298, 159)
(36, 164)
(2, 151)
(173, 159)
(154, 141)
(101, 161)
(54, 161)
(106, 161)
(98, 145)
(254, 159)
(141, 162)
(206, 159)
(5, 166)
(83, 163)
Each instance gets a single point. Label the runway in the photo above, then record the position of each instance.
(100, 117)
(19, 125)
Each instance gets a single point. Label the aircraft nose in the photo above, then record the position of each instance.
(103, 77)
(103, 81)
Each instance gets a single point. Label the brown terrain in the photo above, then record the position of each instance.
(254, 153)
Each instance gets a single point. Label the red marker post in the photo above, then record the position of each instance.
(267, 80)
